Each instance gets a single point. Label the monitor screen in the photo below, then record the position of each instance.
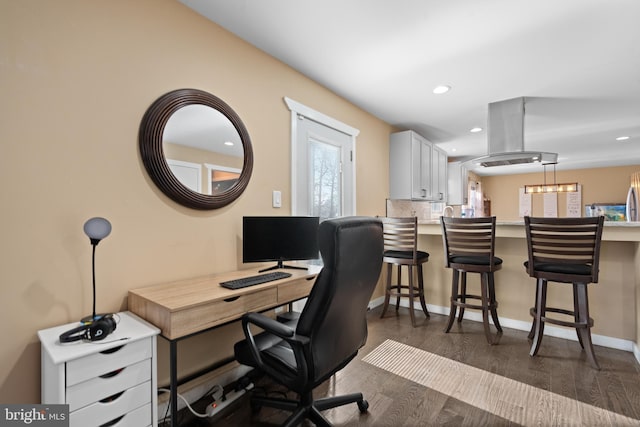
(279, 238)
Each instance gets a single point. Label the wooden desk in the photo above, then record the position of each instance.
(191, 306)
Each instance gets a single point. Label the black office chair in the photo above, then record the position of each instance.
(332, 326)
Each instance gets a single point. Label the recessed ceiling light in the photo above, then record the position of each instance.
(622, 138)
(454, 150)
(441, 89)
(476, 129)
(229, 143)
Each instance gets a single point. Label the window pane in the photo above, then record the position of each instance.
(325, 180)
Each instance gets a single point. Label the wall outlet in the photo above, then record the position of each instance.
(277, 199)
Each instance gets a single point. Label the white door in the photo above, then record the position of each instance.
(323, 164)
(324, 170)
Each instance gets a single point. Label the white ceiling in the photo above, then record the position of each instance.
(576, 62)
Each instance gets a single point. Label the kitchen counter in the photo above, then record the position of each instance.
(614, 301)
(613, 231)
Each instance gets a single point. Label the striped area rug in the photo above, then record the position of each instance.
(506, 398)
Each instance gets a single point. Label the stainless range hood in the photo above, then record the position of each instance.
(505, 130)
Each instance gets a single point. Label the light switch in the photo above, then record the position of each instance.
(277, 199)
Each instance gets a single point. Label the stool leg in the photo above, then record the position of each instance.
(412, 296)
(493, 303)
(541, 306)
(421, 290)
(454, 297)
(463, 295)
(576, 314)
(533, 323)
(583, 319)
(398, 286)
(387, 292)
(484, 295)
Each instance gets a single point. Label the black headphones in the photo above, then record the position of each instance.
(94, 331)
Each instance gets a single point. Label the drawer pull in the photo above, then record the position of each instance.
(231, 299)
(310, 278)
(112, 422)
(112, 397)
(112, 350)
(112, 373)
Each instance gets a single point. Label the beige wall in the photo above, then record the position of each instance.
(600, 185)
(75, 79)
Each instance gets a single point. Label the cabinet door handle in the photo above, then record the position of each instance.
(424, 192)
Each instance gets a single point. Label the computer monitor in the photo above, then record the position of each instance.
(280, 239)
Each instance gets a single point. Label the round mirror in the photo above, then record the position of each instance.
(196, 149)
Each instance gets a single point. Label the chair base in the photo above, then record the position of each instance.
(308, 408)
(488, 303)
(405, 291)
(580, 313)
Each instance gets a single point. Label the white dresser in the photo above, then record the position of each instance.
(110, 382)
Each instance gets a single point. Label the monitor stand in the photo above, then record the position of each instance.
(281, 265)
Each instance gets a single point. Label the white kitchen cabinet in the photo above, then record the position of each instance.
(112, 381)
(417, 169)
(439, 174)
(458, 176)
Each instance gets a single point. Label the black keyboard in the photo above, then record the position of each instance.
(243, 282)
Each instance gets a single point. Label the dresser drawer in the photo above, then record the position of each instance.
(97, 364)
(101, 412)
(95, 389)
(140, 417)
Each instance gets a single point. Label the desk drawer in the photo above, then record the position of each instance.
(128, 402)
(95, 389)
(292, 291)
(108, 361)
(196, 319)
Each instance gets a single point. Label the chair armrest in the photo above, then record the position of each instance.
(268, 324)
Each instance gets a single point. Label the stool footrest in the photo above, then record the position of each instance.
(456, 301)
(574, 324)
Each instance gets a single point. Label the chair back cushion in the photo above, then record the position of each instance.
(334, 316)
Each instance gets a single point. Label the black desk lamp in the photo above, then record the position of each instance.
(97, 229)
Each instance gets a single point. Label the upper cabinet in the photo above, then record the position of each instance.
(457, 189)
(417, 169)
(439, 174)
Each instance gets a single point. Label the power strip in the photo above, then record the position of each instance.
(217, 406)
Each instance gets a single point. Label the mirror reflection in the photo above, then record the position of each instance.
(203, 149)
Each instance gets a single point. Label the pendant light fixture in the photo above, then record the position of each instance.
(551, 188)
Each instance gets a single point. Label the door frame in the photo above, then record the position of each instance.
(298, 109)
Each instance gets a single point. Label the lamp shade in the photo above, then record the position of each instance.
(97, 229)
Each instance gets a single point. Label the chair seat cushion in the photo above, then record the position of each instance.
(579, 269)
(263, 341)
(474, 259)
(420, 255)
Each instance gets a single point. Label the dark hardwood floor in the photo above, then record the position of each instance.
(560, 378)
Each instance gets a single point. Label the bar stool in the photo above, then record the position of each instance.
(563, 250)
(469, 248)
(401, 249)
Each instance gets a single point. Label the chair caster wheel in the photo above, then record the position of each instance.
(363, 405)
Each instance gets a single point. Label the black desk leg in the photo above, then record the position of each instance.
(173, 381)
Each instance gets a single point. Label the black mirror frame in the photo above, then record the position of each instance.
(151, 149)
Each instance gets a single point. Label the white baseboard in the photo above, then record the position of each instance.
(553, 331)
